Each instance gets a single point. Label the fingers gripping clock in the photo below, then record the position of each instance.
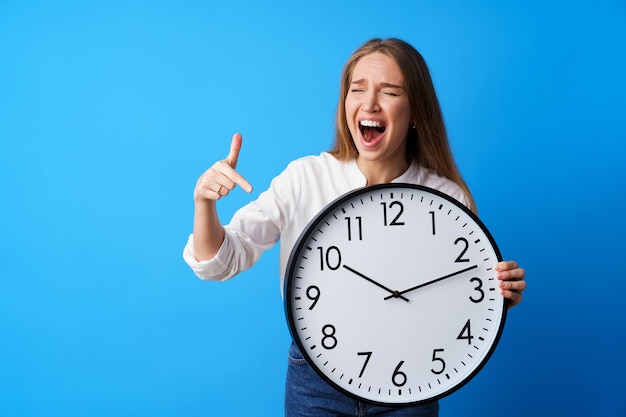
(391, 295)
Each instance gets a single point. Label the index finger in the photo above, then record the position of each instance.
(241, 181)
(235, 148)
(506, 265)
(231, 160)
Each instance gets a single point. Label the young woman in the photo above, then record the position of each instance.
(389, 129)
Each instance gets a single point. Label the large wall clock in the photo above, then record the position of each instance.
(391, 295)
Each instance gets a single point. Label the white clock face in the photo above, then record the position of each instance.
(391, 294)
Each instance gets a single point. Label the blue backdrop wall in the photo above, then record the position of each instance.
(109, 111)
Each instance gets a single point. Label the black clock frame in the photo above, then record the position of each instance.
(290, 276)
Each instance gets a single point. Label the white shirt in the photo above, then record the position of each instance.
(284, 210)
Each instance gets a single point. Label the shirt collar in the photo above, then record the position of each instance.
(409, 176)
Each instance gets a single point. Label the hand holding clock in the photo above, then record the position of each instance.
(512, 283)
(334, 333)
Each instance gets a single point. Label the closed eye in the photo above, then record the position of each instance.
(394, 92)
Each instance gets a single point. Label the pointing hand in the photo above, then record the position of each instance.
(221, 178)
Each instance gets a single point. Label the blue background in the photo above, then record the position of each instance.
(109, 111)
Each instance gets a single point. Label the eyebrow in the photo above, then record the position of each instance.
(384, 85)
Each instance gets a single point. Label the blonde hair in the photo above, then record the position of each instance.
(427, 140)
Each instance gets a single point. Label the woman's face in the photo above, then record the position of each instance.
(378, 113)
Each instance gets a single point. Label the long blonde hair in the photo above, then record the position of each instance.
(427, 140)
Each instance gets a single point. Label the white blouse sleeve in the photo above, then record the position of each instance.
(253, 229)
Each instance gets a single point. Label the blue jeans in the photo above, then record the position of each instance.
(308, 395)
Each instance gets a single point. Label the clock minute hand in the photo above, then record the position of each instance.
(433, 281)
(394, 294)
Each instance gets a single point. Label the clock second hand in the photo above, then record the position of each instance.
(394, 294)
(432, 282)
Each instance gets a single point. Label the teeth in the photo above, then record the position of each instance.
(370, 123)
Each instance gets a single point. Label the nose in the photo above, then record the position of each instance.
(370, 103)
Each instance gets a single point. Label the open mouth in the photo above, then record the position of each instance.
(371, 129)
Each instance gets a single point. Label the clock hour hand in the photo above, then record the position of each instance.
(394, 294)
(432, 281)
